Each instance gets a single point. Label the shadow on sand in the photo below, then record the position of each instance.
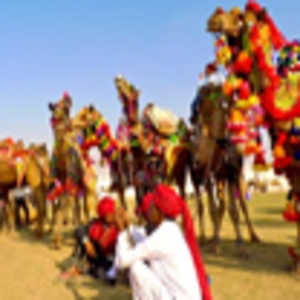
(28, 235)
(97, 287)
(263, 258)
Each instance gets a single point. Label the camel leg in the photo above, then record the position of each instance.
(235, 218)
(214, 215)
(9, 210)
(122, 197)
(39, 198)
(53, 209)
(17, 214)
(181, 184)
(222, 206)
(86, 206)
(54, 222)
(200, 207)
(253, 236)
(58, 220)
(68, 207)
(89, 204)
(87, 198)
(76, 209)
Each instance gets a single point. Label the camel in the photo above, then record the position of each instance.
(96, 133)
(172, 158)
(36, 175)
(217, 163)
(69, 168)
(255, 38)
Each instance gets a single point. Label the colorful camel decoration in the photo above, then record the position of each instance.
(96, 132)
(262, 93)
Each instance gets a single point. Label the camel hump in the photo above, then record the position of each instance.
(33, 174)
(8, 173)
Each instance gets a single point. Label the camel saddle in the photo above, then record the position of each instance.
(164, 121)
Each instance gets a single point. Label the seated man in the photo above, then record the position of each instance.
(166, 264)
(96, 241)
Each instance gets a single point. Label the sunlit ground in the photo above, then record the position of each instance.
(29, 270)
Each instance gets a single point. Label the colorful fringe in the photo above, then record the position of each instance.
(100, 135)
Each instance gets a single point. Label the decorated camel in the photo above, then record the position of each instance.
(257, 89)
(72, 176)
(126, 156)
(96, 132)
(217, 165)
(157, 135)
(31, 169)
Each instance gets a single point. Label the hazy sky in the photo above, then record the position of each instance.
(48, 47)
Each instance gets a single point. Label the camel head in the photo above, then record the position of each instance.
(227, 23)
(41, 149)
(128, 94)
(84, 123)
(215, 23)
(86, 118)
(60, 112)
(214, 112)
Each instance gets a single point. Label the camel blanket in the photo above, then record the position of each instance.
(8, 173)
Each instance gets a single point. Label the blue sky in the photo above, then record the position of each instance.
(48, 47)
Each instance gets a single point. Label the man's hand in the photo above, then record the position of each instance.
(90, 248)
(121, 219)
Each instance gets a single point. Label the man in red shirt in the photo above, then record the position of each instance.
(96, 242)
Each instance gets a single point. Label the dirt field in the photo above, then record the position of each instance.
(30, 269)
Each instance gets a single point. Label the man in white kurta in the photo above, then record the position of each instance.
(161, 266)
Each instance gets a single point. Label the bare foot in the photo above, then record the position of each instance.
(74, 272)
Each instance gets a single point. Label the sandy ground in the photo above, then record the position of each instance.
(30, 269)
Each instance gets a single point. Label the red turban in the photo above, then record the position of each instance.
(106, 206)
(172, 205)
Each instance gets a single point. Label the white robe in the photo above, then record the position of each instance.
(170, 273)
